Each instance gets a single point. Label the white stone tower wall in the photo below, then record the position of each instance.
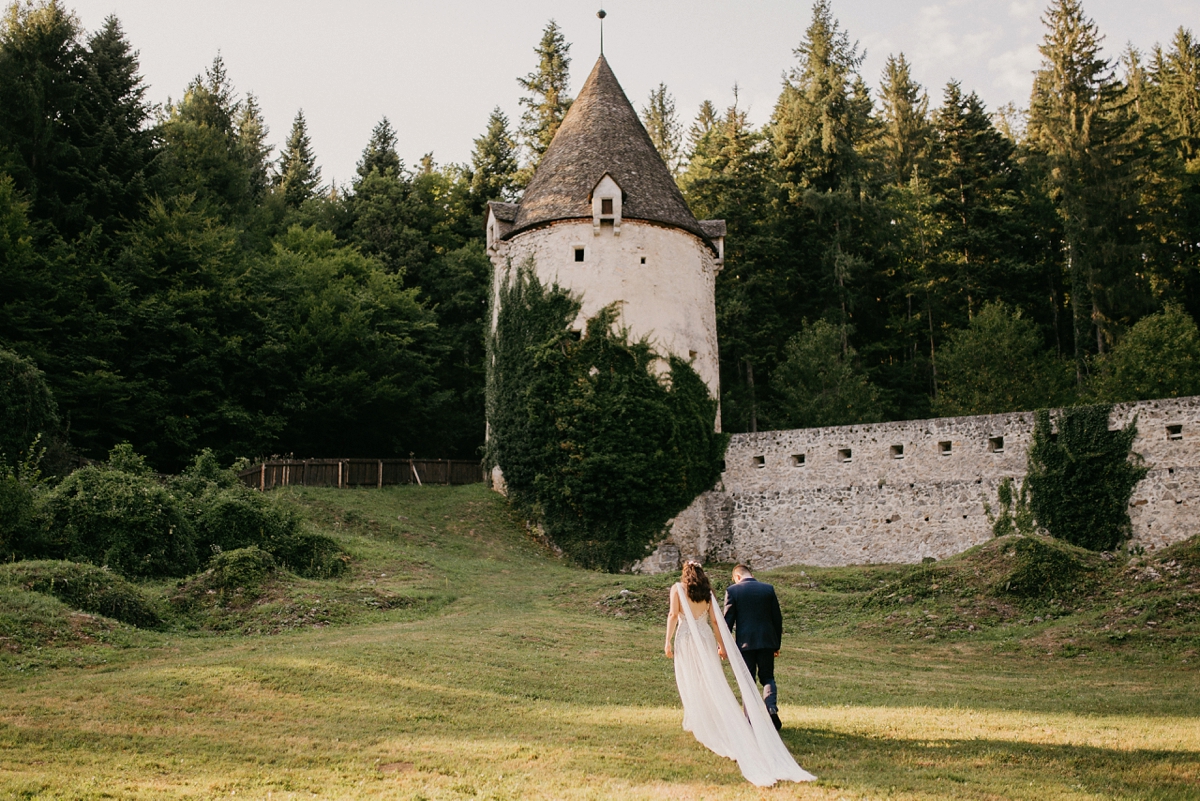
(664, 276)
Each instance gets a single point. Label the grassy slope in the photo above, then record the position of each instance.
(465, 662)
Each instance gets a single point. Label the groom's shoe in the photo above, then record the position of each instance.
(775, 719)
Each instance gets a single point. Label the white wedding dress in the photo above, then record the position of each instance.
(713, 714)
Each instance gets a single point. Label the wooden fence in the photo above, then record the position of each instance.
(360, 472)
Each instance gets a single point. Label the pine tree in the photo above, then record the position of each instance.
(202, 153)
(904, 139)
(548, 100)
(494, 162)
(816, 116)
(299, 175)
(820, 128)
(380, 153)
(117, 145)
(706, 119)
(252, 140)
(1079, 129)
(43, 123)
(1170, 106)
(663, 126)
(976, 182)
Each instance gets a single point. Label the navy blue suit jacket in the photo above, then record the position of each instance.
(752, 613)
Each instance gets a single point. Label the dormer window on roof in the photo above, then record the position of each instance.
(606, 205)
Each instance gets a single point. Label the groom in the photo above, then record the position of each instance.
(752, 614)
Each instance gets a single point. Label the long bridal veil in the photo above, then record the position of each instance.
(712, 713)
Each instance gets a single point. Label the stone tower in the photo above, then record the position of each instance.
(603, 218)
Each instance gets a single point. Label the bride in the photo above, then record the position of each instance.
(710, 710)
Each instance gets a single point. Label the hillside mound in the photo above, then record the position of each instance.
(86, 588)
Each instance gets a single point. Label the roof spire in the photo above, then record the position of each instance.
(602, 14)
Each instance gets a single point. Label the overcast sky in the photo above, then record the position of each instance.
(436, 68)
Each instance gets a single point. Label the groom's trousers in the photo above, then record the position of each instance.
(761, 662)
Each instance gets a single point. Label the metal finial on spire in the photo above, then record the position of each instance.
(602, 14)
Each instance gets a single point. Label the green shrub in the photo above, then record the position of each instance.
(233, 579)
(16, 516)
(227, 515)
(999, 363)
(1159, 357)
(311, 555)
(84, 587)
(123, 520)
(819, 382)
(1081, 479)
(27, 407)
(1041, 569)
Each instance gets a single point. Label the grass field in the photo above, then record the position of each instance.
(460, 660)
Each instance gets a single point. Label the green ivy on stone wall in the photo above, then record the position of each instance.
(595, 444)
(1080, 480)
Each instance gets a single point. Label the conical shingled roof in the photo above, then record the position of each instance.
(600, 134)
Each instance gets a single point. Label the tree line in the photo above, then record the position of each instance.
(182, 286)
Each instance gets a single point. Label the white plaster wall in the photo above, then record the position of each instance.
(669, 299)
(877, 508)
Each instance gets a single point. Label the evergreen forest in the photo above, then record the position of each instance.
(894, 251)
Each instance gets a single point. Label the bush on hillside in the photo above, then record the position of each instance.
(1042, 568)
(117, 515)
(16, 517)
(235, 578)
(226, 515)
(84, 587)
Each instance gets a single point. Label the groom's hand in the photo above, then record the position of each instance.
(776, 653)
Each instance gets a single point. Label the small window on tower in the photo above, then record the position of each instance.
(578, 254)
(606, 205)
(643, 259)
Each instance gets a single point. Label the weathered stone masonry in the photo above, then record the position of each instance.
(900, 492)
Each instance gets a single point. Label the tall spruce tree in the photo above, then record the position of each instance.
(252, 140)
(1079, 129)
(117, 144)
(728, 177)
(548, 98)
(43, 121)
(202, 153)
(1170, 105)
(494, 162)
(662, 123)
(380, 153)
(977, 185)
(820, 129)
(904, 134)
(299, 175)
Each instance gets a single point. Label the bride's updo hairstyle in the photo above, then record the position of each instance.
(695, 583)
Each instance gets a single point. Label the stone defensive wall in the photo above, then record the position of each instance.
(901, 492)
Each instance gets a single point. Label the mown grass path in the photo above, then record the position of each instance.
(508, 682)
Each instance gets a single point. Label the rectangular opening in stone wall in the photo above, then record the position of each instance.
(945, 448)
(643, 259)
(760, 461)
(845, 455)
(897, 451)
(578, 254)
(691, 355)
(1174, 432)
(798, 460)
(606, 205)
(995, 444)
(575, 334)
